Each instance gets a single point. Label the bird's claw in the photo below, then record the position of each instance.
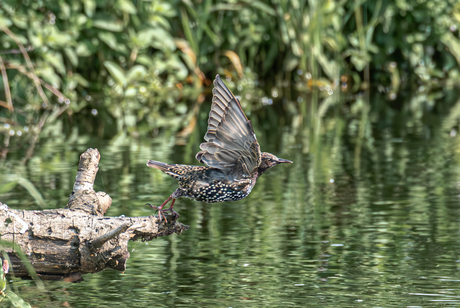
(172, 211)
(161, 212)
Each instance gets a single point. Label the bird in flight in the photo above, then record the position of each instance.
(231, 153)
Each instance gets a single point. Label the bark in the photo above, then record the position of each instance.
(78, 239)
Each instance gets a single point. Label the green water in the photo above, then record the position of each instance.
(368, 215)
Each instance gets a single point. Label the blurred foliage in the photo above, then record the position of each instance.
(324, 40)
(3, 271)
(124, 65)
(114, 59)
(7, 297)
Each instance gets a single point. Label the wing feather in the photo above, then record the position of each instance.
(231, 142)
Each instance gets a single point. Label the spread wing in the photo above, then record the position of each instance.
(231, 142)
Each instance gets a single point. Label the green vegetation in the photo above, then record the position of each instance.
(7, 297)
(123, 65)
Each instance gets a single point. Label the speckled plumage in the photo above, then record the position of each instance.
(231, 153)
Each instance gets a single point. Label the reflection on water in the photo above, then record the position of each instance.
(366, 216)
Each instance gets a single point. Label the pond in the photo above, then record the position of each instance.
(367, 215)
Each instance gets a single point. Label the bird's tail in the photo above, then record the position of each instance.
(171, 170)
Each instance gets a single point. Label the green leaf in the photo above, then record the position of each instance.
(55, 59)
(290, 62)
(81, 81)
(5, 22)
(35, 39)
(116, 71)
(13, 179)
(71, 55)
(181, 108)
(8, 186)
(81, 19)
(262, 7)
(20, 21)
(157, 38)
(25, 262)
(130, 120)
(2, 279)
(16, 301)
(32, 191)
(126, 6)
(90, 6)
(86, 48)
(175, 65)
(157, 20)
(131, 92)
(50, 76)
(83, 50)
(64, 10)
(108, 23)
(108, 38)
(359, 60)
(453, 44)
(59, 39)
(164, 8)
(144, 59)
(136, 73)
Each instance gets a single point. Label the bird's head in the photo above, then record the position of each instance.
(269, 161)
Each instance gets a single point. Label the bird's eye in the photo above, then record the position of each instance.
(269, 159)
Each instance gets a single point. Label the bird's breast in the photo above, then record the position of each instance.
(220, 191)
(215, 185)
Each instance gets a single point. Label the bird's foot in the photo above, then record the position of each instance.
(161, 211)
(172, 211)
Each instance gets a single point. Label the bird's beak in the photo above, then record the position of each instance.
(280, 160)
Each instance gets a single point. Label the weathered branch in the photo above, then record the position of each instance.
(78, 239)
(97, 243)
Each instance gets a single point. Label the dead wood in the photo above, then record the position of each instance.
(78, 239)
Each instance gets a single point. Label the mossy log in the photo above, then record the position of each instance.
(78, 239)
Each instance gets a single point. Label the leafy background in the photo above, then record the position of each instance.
(123, 66)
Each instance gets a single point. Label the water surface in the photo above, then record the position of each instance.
(366, 216)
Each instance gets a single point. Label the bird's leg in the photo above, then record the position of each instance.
(160, 208)
(171, 208)
(161, 211)
(178, 193)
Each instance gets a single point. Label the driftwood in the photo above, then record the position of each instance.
(78, 239)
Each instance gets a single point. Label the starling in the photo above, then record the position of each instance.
(231, 153)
